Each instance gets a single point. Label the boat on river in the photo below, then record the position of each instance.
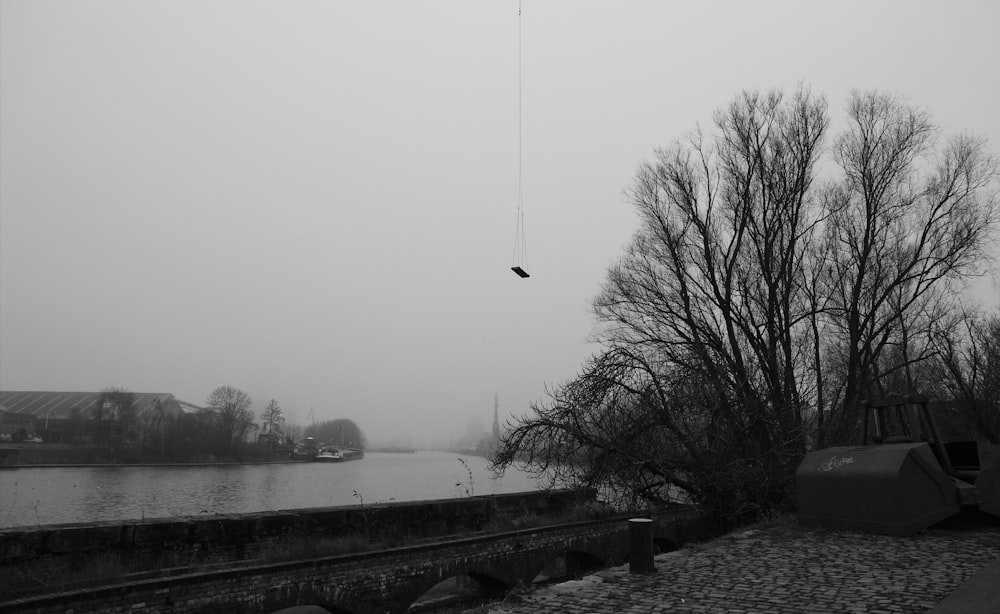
(329, 455)
(334, 454)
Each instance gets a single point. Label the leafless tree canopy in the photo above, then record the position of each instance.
(906, 219)
(273, 420)
(758, 304)
(114, 418)
(272, 417)
(234, 419)
(969, 371)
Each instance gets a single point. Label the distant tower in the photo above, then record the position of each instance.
(496, 417)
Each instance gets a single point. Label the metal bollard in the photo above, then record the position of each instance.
(640, 541)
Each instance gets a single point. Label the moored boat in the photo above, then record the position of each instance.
(329, 455)
(334, 454)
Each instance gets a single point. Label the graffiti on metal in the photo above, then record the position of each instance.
(836, 461)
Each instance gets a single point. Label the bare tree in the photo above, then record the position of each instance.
(272, 419)
(704, 318)
(969, 362)
(755, 304)
(609, 429)
(153, 427)
(114, 417)
(905, 220)
(292, 432)
(341, 431)
(231, 407)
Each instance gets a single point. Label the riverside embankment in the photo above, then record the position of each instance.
(33, 558)
(225, 564)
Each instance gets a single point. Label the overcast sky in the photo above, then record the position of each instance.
(315, 201)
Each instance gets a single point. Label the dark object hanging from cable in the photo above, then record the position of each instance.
(519, 262)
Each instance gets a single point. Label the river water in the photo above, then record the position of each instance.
(57, 495)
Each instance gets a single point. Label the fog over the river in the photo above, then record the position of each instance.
(315, 201)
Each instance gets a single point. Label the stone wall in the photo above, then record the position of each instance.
(43, 554)
(380, 581)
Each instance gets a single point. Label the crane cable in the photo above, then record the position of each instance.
(519, 261)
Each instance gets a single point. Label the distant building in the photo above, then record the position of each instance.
(14, 425)
(56, 415)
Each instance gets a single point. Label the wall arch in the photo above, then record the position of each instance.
(312, 609)
(305, 599)
(579, 562)
(566, 565)
(461, 586)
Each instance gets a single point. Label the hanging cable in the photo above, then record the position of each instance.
(519, 261)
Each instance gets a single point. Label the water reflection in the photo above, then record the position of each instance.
(85, 494)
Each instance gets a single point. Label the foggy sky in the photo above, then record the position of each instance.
(315, 201)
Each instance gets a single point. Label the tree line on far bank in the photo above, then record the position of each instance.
(226, 429)
(340, 432)
(777, 278)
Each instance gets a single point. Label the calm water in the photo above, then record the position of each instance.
(81, 494)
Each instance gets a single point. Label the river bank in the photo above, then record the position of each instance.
(35, 455)
(109, 464)
(67, 455)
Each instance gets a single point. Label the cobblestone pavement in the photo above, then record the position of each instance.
(779, 570)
